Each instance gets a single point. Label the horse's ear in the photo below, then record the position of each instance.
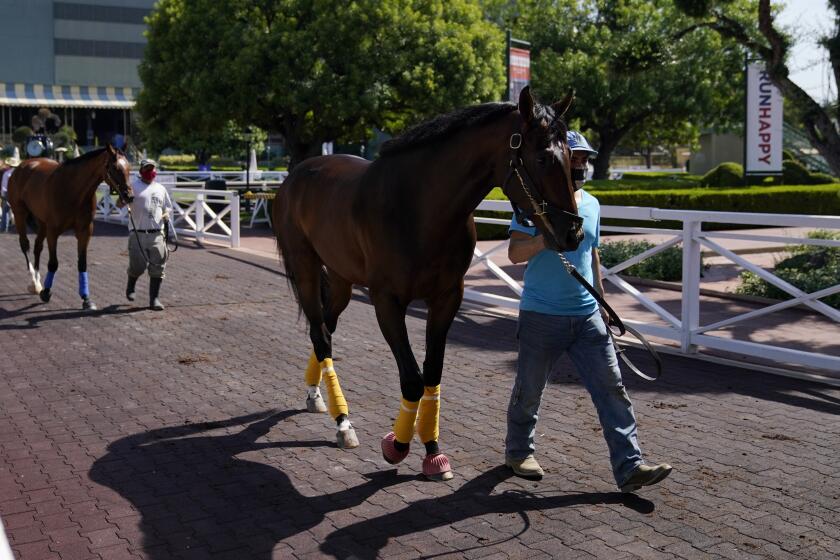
(111, 149)
(526, 104)
(561, 107)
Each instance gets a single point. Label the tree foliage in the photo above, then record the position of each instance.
(627, 66)
(314, 70)
(757, 32)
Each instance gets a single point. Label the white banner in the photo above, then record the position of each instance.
(764, 123)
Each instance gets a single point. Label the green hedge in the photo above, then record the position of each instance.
(792, 199)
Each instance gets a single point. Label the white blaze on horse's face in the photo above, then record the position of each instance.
(123, 171)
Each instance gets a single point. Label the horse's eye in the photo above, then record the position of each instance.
(541, 160)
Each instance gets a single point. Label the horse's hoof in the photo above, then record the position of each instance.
(390, 452)
(45, 295)
(315, 404)
(33, 289)
(89, 305)
(347, 439)
(436, 467)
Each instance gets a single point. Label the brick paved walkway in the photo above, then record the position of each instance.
(134, 434)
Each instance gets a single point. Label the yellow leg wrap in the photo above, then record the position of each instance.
(429, 416)
(404, 424)
(336, 404)
(313, 371)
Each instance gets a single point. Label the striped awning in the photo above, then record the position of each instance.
(39, 95)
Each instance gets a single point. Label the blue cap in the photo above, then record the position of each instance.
(577, 142)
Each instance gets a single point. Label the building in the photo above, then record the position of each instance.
(79, 59)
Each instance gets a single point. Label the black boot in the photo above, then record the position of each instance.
(154, 291)
(131, 288)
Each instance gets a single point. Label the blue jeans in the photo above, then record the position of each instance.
(4, 220)
(542, 340)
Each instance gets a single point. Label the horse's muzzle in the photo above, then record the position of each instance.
(568, 227)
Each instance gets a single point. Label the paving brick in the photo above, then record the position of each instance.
(199, 448)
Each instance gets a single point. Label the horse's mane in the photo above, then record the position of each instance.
(444, 125)
(82, 158)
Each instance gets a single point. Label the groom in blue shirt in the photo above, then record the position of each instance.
(558, 315)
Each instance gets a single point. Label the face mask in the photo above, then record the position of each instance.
(148, 175)
(579, 177)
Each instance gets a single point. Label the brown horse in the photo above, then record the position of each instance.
(61, 197)
(403, 226)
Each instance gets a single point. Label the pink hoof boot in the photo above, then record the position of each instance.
(389, 452)
(436, 467)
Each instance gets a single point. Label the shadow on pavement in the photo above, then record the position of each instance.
(364, 540)
(196, 497)
(45, 315)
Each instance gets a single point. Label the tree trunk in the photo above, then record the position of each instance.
(648, 157)
(298, 148)
(601, 166)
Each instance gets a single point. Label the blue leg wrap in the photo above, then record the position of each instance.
(84, 290)
(48, 281)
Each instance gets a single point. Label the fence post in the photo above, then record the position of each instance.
(690, 285)
(234, 219)
(199, 217)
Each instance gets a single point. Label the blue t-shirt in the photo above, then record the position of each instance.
(548, 287)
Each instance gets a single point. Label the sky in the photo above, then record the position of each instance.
(809, 20)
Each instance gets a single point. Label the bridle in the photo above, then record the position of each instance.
(549, 214)
(113, 184)
(553, 218)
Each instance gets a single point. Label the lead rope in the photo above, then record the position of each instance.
(616, 320)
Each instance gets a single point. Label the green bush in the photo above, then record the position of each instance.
(187, 160)
(666, 265)
(810, 268)
(794, 173)
(822, 179)
(728, 174)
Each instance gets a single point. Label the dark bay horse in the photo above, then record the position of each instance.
(403, 226)
(61, 197)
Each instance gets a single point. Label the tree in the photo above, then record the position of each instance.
(761, 37)
(660, 131)
(316, 70)
(628, 70)
(182, 103)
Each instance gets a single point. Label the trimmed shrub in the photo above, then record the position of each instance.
(666, 265)
(810, 268)
(728, 174)
(822, 179)
(794, 173)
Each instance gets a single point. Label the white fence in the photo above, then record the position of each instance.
(198, 213)
(174, 178)
(687, 330)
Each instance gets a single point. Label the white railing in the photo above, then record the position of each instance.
(687, 330)
(198, 213)
(173, 178)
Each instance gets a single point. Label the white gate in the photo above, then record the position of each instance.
(194, 213)
(687, 330)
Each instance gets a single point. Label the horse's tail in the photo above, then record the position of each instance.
(293, 246)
